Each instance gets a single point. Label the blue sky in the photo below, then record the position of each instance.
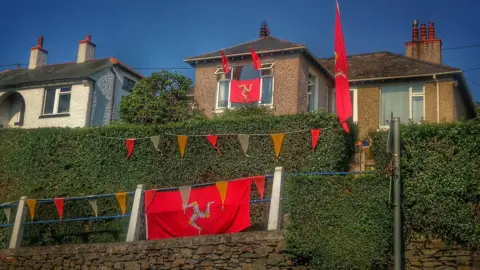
(162, 33)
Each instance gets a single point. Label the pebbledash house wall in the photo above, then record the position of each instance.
(290, 86)
(451, 105)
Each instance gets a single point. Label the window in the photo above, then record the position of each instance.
(128, 84)
(312, 98)
(245, 72)
(57, 100)
(404, 101)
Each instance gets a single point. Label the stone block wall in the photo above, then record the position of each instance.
(435, 255)
(250, 250)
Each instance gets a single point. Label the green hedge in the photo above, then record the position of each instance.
(441, 172)
(339, 222)
(45, 163)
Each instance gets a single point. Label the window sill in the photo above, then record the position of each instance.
(54, 115)
(221, 110)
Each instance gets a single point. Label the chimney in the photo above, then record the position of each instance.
(264, 31)
(428, 47)
(38, 55)
(86, 50)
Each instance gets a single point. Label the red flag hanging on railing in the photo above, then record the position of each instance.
(59, 204)
(342, 89)
(225, 63)
(257, 64)
(260, 184)
(203, 214)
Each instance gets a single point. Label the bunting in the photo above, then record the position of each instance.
(182, 144)
(149, 196)
(277, 143)
(185, 194)
(93, 203)
(315, 136)
(129, 143)
(244, 139)
(222, 190)
(59, 204)
(122, 201)
(213, 141)
(8, 213)
(31, 207)
(155, 140)
(260, 184)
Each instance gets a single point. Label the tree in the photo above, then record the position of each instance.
(477, 106)
(158, 99)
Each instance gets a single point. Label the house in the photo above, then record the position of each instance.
(416, 87)
(83, 93)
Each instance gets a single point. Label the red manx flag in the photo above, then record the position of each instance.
(342, 89)
(225, 63)
(245, 91)
(257, 64)
(203, 214)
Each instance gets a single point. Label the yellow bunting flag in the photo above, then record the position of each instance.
(277, 143)
(122, 201)
(222, 189)
(31, 207)
(185, 193)
(182, 144)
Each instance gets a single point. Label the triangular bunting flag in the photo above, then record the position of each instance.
(260, 184)
(182, 144)
(155, 140)
(277, 143)
(244, 138)
(185, 193)
(315, 137)
(149, 196)
(93, 203)
(222, 189)
(122, 201)
(31, 207)
(213, 141)
(8, 213)
(130, 143)
(59, 204)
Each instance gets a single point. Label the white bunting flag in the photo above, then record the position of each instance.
(93, 203)
(155, 140)
(244, 138)
(8, 212)
(185, 193)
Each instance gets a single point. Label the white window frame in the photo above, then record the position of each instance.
(315, 92)
(410, 98)
(57, 99)
(219, 71)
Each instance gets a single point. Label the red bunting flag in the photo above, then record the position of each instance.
(225, 63)
(315, 137)
(245, 91)
(342, 88)
(129, 143)
(149, 195)
(257, 64)
(260, 184)
(213, 141)
(59, 204)
(203, 214)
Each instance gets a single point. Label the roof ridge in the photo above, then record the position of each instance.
(231, 47)
(422, 61)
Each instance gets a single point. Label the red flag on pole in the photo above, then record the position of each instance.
(257, 64)
(203, 215)
(129, 143)
(225, 63)
(59, 204)
(342, 89)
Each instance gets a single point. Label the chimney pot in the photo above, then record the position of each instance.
(40, 42)
(423, 32)
(431, 31)
(415, 30)
(264, 30)
(88, 38)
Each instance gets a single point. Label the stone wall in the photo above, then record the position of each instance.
(250, 250)
(435, 255)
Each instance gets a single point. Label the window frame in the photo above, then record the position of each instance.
(56, 100)
(219, 72)
(124, 84)
(315, 92)
(410, 98)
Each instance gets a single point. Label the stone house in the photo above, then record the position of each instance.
(82, 93)
(416, 87)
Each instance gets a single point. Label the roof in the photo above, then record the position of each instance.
(59, 72)
(264, 44)
(380, 65)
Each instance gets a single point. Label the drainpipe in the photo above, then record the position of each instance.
(112, 102)
(438, 97)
